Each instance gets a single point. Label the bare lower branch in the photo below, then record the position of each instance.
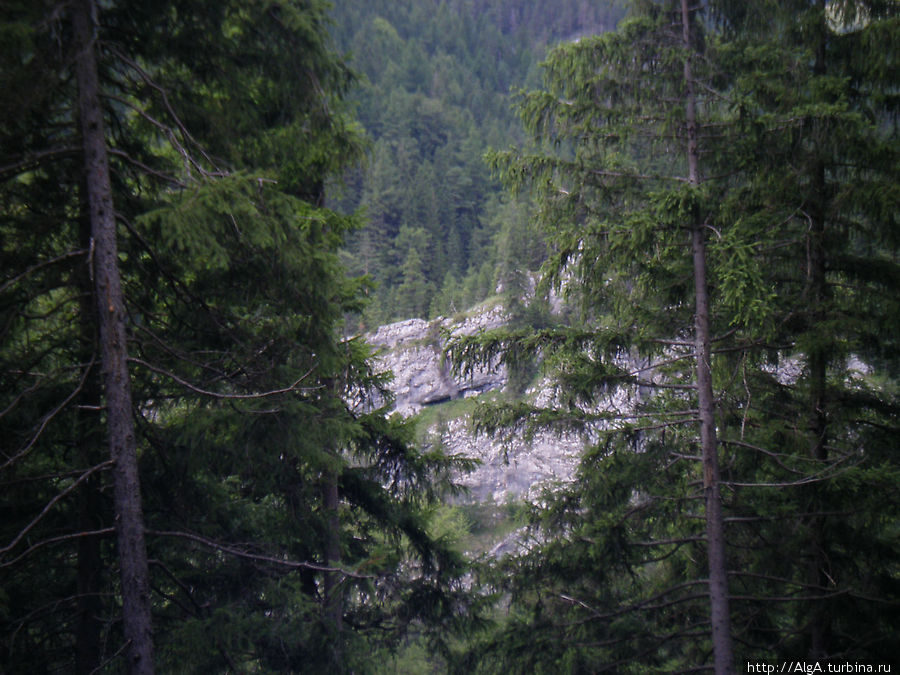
(52, 502)
(213, 394)
(107, 531)
(147, 169)
(790, 598)
(825, 474)
(774, 455)
(45, 263)
(35, 159)
(294, 564)
(178, 582)
(117, 654)
(648, 604)
(49, 416)
(181, 127)
(666, 542)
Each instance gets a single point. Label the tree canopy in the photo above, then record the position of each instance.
(788, 113)
(203, 203)
(270, 505)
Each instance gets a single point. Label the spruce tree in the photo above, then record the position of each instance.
(822, 177)
(265, 478)
(613, 575)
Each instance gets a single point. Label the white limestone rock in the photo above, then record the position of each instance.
(413, 351)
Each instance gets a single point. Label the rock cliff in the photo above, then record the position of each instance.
(413, 351)
(511, 468)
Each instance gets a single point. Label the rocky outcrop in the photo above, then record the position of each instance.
(413, 351)
(510, 468)
(513, 467)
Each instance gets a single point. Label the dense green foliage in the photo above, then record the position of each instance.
(264, 192)
(436, 96)
(286, 521)
(799, 156)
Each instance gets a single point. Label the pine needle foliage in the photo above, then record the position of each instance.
(795, 129)
(286, 520)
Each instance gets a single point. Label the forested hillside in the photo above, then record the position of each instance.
(439, 233)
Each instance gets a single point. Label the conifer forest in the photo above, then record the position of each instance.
(686, 214)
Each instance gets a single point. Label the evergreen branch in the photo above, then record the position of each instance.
(877, 425)
(293, 564)
(178, 284)
(84, 476)
(54, 540)
(694, 630)
(242, 397)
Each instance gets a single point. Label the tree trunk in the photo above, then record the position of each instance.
(715, 528)
(113, 350)
(89, 435)
(88, 624)
(87, 424)
(334, 610)
(817, 371)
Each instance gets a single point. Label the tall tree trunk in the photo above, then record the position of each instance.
(715, 527)
(817, 371)
(113, 350)
(88, 624)
(817, 365)
(88, 432)
(334, 610)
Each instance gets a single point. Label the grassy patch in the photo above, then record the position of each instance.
(435, 415)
